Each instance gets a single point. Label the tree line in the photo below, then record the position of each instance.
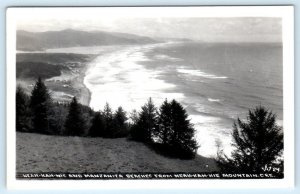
(167, 129)
(258, 140)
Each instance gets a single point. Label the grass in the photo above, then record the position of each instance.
(43, 153)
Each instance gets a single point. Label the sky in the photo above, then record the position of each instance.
(218, 29)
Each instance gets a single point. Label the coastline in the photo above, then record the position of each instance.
(84, 94)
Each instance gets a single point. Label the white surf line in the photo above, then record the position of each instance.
(213, 100)
(199, 73)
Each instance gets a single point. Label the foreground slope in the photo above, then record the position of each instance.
(43, 153)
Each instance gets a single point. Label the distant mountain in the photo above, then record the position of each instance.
(164, 39)
(35, 41)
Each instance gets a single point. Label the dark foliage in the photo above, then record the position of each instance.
(184, 132)
(87, 114)
(258, 143)
(59, 113)
(40, 103)
(163, 130)
(120, 128)
(75, 124)
(108, 121)
(37, 69)
(144, 128)
(23, 117)
(175, 132)
(98, 127)
(53, 58)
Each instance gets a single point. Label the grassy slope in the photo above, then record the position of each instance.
(42, 153)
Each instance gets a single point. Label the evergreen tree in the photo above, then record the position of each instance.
(108, 120)
(258, 142)
(107, 112)
(97, 128)
(120, 128)
(182, 132)
(87, 115)
(57, 118)
(22, 111)
(134, 117)
(74, 124)
(40, 103)
(143, 130)
(175, 132)
(163, 129)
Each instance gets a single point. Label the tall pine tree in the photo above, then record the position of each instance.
(75, 124)
(120, 128)
(163, 129)
(98, 127)
(40, 103)
(108, 121)
(183, 133)
(175, 132)
(144, 128)
(23, 119)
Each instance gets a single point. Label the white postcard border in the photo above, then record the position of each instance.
(284, 12)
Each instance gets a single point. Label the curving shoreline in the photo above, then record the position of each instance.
(84, 94)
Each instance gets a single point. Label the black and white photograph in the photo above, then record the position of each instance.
(150, 93)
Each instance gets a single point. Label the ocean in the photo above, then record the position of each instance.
(215, 82)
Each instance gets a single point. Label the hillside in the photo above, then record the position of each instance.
(43, 153)
(47, 65)
(36, 41)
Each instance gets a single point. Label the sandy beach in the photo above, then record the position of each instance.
(83, 94)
